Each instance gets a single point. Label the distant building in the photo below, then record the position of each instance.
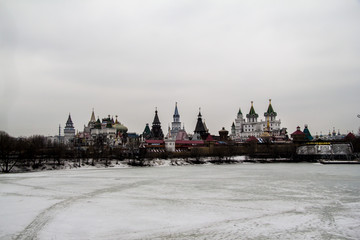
(112, 132)
(147, 132)
(298, 135)
(308, 134)
(69, 131)
(223, 134)
(330, 136)
(156, 131)
(242, 129)
(201, 131)
(104, 130)
(176, 124)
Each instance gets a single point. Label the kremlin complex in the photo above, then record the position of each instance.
(106, 139)
(245, 128)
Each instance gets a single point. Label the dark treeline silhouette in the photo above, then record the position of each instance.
(35, 151)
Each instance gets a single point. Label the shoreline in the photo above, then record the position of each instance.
(156, 162)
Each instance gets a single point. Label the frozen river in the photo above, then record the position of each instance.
(241, 201)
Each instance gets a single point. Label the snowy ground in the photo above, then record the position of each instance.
(241, 201)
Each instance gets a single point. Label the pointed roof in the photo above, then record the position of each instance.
(176, 112)
(252, 112)
(200, 128)
(147, 130)
(270, 108)
(307, 133)
(93, 119)
(270, 111)
(239, 112)
(156, 118)
(97, 124)
(233, 125)
(350, 137)
(69, 122)
(298, 132)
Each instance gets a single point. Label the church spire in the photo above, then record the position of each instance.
(176, 115)
(252, 110)
(252, 113)
(200, 128)
(156, 118)
(176, 124)
(92, 119)
(69, 123)
(69, 130)
(270, 111)
(156, 131)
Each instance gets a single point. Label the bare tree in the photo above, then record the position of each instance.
(7, 152)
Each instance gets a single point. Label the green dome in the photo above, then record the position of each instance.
(119, 127)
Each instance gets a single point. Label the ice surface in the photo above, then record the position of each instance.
(240, 201)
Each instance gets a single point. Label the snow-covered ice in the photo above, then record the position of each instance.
(240, 201)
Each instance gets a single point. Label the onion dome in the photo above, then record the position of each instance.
(119, 127)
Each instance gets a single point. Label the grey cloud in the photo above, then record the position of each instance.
(218, 55)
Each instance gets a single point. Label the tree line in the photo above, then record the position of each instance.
(37, 150)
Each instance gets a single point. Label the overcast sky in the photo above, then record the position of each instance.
(127, 57)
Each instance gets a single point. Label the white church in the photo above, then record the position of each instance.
(243, 128)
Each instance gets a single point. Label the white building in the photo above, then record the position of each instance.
(111, 132)
(245, 128)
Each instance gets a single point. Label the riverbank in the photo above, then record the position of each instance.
(154, 162)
